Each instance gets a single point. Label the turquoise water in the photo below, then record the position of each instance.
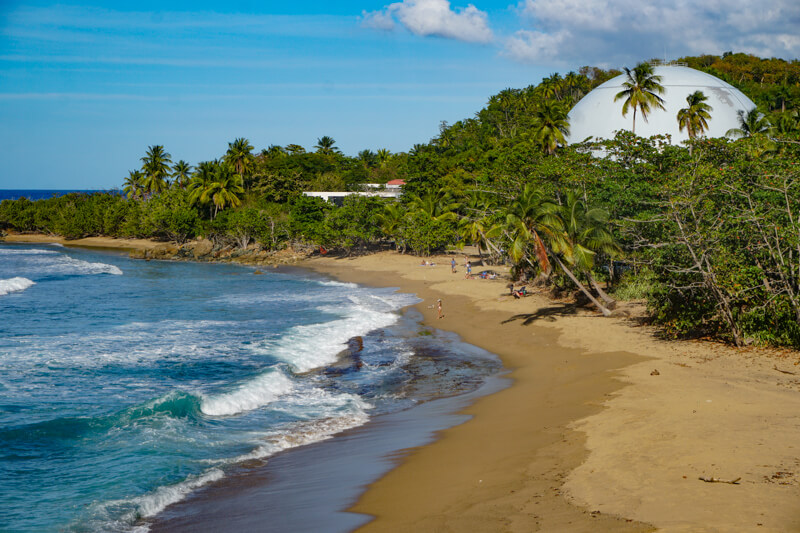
(126, 385)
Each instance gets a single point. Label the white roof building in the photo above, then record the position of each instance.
(597, 115)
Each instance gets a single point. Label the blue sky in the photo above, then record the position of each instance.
(85, 88)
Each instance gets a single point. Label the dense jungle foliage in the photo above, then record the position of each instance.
(708, 232)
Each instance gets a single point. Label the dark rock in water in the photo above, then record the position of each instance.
(349, 360)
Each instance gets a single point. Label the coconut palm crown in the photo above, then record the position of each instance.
(641, 92)
(695, 117)
(240, 156)
(326, 145)
(750, 123)
(550, 126)
(156, 169)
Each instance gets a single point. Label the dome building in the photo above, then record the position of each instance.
(597, 115)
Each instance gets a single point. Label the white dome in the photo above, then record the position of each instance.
(598, 115)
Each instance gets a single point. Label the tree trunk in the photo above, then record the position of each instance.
(612, 303)
(580, 286)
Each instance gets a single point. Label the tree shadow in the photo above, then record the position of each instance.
(545, 313)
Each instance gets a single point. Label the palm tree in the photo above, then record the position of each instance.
(751, 123)
(383, 157)
(587, 234)
(181, 172)
(529, 217)
(273, 151)
(217, 185)
(240, 155)
(438, 205)
(552, 87)
(550, 126)
(478, 223)
(533, 220)
(576, 86)
(226, 188)
(391, 220)
(155, 165)
(201, 181)
(695, 117)
(368, 158)
(482, 231)
(326, 146)
(133, 187)
(642, 89)
(788, 122)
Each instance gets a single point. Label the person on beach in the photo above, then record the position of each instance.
(469, 270)
(439, 307)
(453, 265)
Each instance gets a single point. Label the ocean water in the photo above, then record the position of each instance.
(126, 385)
(40, 194)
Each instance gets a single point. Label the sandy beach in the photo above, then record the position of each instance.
(88, 242)
(605, 427)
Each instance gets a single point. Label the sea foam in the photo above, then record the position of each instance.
(250, 395)
(70, 265)
(322, 414)
(14, 285)
(131, 511)
(26, 251)
(311, 346)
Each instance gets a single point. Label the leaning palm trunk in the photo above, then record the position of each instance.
(583, 289)
(488, 241)
(603, 296)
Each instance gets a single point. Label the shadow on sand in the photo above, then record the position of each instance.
(545, 313)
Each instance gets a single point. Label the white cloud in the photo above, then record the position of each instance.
(621, 31)
(433, 18)
(529, 46)
(378, 20)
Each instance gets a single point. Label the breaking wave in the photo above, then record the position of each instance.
(14, 285)
(250, 395)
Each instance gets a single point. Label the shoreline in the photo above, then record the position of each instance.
(605, 427)
(637, 422)
(86, 242)
(503, 468)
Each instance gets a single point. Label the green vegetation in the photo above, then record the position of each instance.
(707, 232)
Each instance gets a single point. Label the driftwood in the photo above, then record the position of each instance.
(718, 480)
(775, 367)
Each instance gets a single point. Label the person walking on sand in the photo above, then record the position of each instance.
(439, 307)
(453, 265)
(469, 270)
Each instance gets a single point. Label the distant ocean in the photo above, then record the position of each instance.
(39, 194)
(128, 385)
